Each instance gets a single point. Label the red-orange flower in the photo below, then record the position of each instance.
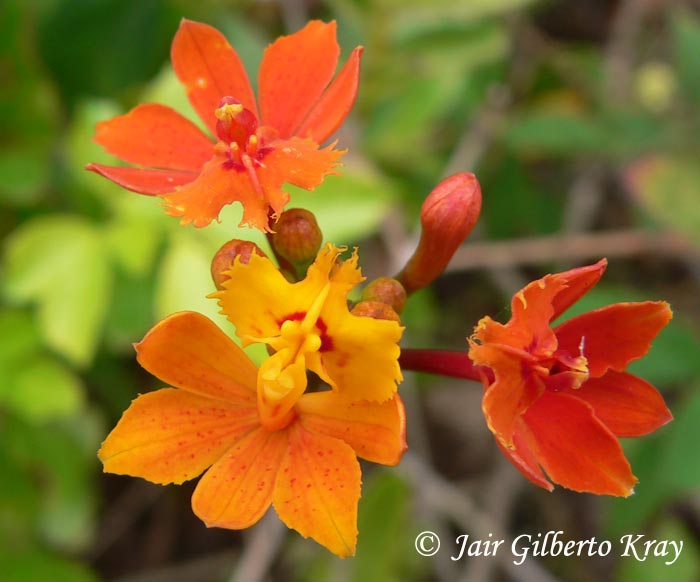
(558, 399)
(211, 421)
(256, 149)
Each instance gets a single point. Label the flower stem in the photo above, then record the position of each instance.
(454, 364)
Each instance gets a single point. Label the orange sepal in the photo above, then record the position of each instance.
(170, 436)
(293, 74)
(579, 281)
(189, 351)
(209, 68)
(626, 404)
(155, 136)
(151, 182)
(575, 448)
(337, 100)
(318, 488)
(613, 336)
(237, 490)
(201, 201)
(376, 431)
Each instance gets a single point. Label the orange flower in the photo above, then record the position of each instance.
(307, 468)
(257, 150)
(558, 399)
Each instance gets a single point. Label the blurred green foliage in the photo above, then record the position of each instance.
(87, 268)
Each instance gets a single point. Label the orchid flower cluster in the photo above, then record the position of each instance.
(556, 397)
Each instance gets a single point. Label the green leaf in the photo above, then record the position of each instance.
(59, 262)
(35, 564)
(24, 175)
(686, 44)
(44, 389)
(667, 189)
(128, 42)
(556, 134)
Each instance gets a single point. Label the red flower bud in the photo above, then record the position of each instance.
(226, 255)
(375, 310)
(386, 290)
(447, 217)
(297, 238)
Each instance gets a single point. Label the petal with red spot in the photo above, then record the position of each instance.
(318, 489)
(170, 436)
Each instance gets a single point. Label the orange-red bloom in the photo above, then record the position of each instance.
(258, 147)
(211, 421)
(558, 399)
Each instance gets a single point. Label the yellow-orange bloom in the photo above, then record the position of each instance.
(211, 419)
(309, 327)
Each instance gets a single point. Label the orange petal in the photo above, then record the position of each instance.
(626, 404)
(170, 436)
(524, 461)
(201, 201)
(613, 336)
(296, 161)
(514, 390)
(575, 448)
(318, 489)
(210, 69)
(155, 136)
(143, 181)
(189, 351)
(579, 281)
(336, 102)
(376, 431)
(293, 74)
(237, 490)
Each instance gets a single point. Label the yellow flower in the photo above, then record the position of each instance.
(309, 327)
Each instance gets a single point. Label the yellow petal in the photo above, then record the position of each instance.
(257, 298)
(318, 488)
(362, 359)
(376, 431)
(189, 351)
(170, 436)
(237, 490)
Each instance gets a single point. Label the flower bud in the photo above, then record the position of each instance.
(297, 237)
(386, 290)
(226, 255)
(375, 310)
(447, 217)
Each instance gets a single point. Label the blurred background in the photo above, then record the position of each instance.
(581, 120)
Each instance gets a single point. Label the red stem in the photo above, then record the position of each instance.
(454, 364)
